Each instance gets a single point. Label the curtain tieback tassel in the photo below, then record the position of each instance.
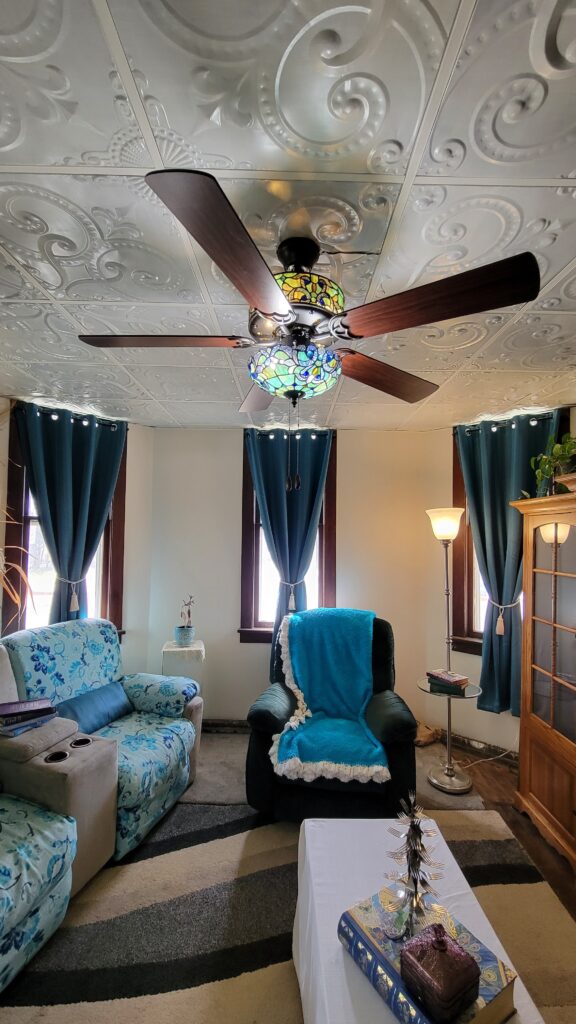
(292, 597)
(500, 620)
(74, 602)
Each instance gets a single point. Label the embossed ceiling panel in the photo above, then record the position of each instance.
(340, 215)
(148, 413)
(182, 383)
(563, 296)
(511, 109)
(110, 318)
(90, 238)
(61, 99)
(38, 332)
(444, 346)
(448, 229)
(283, 85)
(78, 382)
(537, 341)
(402, 134)
(12, 284)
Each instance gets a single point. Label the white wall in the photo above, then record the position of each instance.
(194, 545)
(138, 544)
(184, 491)
(388, 560)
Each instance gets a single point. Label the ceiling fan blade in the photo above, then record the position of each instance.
(384, 377)
(257, 400)
(516, 279)
(199, 203)
(164, 341)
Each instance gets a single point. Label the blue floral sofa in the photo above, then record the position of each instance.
(77, 665)
(37, 848)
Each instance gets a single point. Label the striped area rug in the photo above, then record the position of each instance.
(195, 928)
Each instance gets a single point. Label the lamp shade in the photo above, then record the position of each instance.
(554, 532)
(445, 522)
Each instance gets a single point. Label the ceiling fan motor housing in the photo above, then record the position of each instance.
(313, 297)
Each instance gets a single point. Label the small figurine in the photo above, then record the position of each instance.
(186, 611)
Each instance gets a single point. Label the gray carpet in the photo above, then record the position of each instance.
(195, 926)
(221, 773)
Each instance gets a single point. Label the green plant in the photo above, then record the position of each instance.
(554, 460)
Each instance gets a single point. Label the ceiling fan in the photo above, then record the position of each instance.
(298, 328)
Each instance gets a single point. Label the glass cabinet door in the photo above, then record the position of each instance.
(554, 626)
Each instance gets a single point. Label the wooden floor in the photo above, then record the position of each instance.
(496, 783)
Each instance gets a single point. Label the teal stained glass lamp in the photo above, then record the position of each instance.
(295, 371)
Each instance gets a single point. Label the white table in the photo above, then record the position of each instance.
(183, 661)
(339, 863)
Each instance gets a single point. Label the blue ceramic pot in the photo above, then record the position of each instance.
(184, 635)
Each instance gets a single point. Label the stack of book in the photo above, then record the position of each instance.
(22, 715)
(441, 680)
(363, 933)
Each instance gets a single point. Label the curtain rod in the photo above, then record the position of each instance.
(509, 422)
(82, 417)
(320, 432)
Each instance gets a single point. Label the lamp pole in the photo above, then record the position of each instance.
(449, 767)
(446, 776)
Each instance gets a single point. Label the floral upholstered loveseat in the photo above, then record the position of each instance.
(154, 719)
(37, 848)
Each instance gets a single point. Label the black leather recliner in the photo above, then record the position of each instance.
(390, 720)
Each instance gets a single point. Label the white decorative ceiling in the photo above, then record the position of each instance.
(414, 139)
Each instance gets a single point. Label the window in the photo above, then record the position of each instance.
(259, 574)
(42, 574)
(25, 546)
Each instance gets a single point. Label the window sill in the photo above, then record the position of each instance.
(255, 636)
(467, 645)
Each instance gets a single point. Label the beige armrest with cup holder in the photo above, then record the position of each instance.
(70, 773)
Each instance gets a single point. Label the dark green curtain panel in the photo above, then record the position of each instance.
(496, 469)
(72, 466)
(289, 517)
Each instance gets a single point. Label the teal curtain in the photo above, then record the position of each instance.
(496, 469)
(289, 517)
(72, 464)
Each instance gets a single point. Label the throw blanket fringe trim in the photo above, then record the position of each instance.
(294, 768)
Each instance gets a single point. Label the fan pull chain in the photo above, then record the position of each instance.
(297, 480)
(288, 476)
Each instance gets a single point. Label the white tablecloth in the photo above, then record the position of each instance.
(339, 863)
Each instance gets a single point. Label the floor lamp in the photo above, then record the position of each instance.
(445, 525)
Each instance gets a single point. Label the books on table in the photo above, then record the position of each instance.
(362, 931)
(441, 680)
(17, 717)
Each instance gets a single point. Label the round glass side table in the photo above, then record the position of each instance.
(446, 776)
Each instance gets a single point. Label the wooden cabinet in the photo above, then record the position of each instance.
(547, 783)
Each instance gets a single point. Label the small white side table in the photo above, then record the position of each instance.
(183, 661)
(446, 776)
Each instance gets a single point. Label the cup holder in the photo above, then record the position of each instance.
(56, 756)
(82, 741)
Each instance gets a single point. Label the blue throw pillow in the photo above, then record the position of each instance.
(96, 708)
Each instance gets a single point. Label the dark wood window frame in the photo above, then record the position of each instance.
(252, 631)
(17, 537)
(465, 638)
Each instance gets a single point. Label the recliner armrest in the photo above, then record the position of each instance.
(161, 695)
(390, 718)
(270, 712)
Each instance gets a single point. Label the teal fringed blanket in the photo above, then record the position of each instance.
(327, 660)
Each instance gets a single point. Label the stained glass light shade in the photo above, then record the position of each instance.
(309, 289)
(286, 370)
